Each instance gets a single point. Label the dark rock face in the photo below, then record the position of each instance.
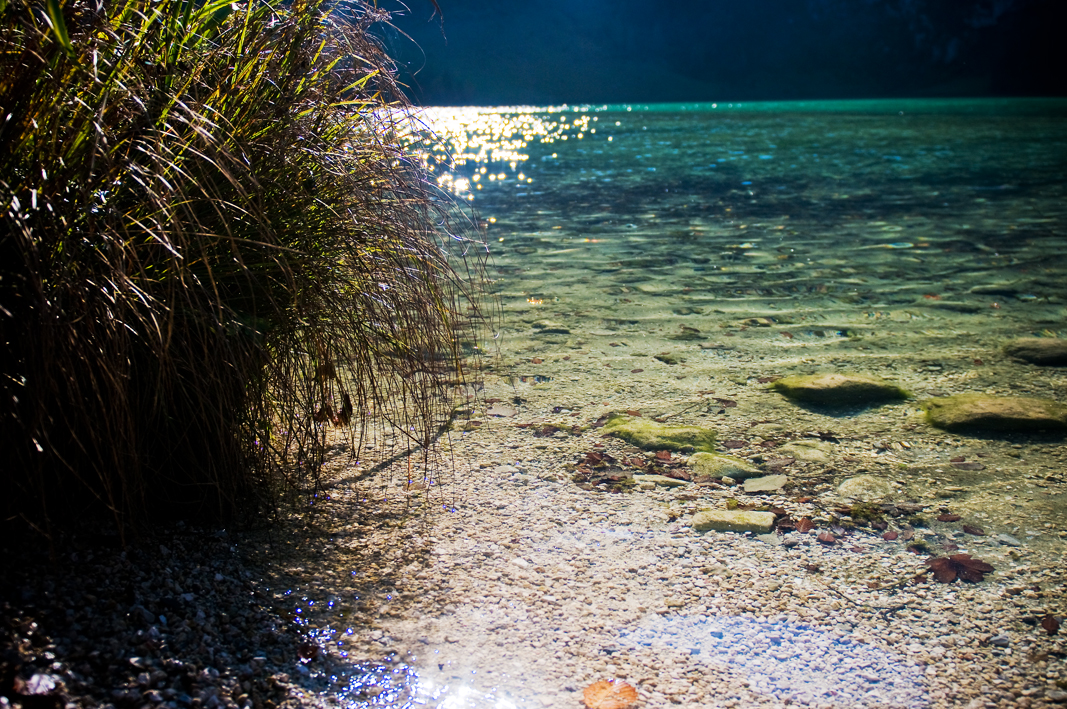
(1044, 351)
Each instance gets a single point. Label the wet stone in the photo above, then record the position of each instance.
(710, 466)
(654, 436)
(838, 389)
(767, 483)
(995, 413)
(807, 451)
(1044, 351)
(661, 480)
(733, 521)
(865, 488)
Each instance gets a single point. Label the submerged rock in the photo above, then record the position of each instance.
(661, 480)
(767, 483)
(656, 436)
(865, 488)
(733, 521)
(711, 466)
(995, 413)
(808, 451)
(838, 389)
(1044, 351)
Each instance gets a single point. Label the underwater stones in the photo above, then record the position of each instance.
(733, 521)
(953, 305)
(807, 451)
(662, 480)
(1044, 351)
(710, 466)
(995, 413)
(768, 483)
(655, 436)
(838, 389)
(865, 488)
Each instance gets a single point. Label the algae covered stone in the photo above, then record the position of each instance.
(767, 483)
(711, 466)
(838, 389)
(995, 413)
(1044, 351)
(656, 436)
(733, 521)
(865, 488)
(808, 451)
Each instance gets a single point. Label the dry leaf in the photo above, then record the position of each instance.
(976, 531)
(947, 569)
(948, 518)
(827, 538)
(805, 525)
(537, 360)
(1050, 624)
(890, 536)
(609, 695)
(307, 651)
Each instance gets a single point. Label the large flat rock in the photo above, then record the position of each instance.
(733, 521)
(865, 488)
(656, 436)
(839, 389)
(983, 412)
(1045, 351)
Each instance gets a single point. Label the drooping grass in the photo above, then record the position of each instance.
(212, 243)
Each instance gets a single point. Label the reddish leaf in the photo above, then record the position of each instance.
(971, 563)
(978, 362)
(609, 695)
(733, 444)
(805, 525)
(1050, 624)
(944, 570)
(802, 500)
(787, 334)
(636, 371)
(633, 412)
(537, 360)
(663, 455)
(948, 518)
(777, 511)
(726, 403)
(890, 536)
(827, 538)
(957, 459)
(976, 531)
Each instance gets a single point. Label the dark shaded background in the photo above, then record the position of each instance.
(615, 51)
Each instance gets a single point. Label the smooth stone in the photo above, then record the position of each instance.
(662, 480)
(766, 484)
(656, 436)
(1008, 540)
(865, 488)
(772, 539)
(995, 413)
(711, 466)
(834, 389)
(1044, 351)
(733, 521)
(1056, 695)
(809, 451)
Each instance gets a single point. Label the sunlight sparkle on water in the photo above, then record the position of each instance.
(457, 143)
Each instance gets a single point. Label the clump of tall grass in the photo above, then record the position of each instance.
(212, 242)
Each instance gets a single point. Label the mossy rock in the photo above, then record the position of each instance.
(964, 412)
(711, 466)
(838, 389)
(1043, 351)
(656, 436)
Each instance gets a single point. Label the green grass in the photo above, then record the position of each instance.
(211, 243)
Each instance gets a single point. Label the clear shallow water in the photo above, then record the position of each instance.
(909, 235)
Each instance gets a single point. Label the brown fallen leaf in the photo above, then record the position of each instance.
(536, 360)
(948, 518)
(1050, 624)
(890, 536)
(726, 403)
(733, 444)
(663, 455)
(976, 531)
(947, 569)
(308, 651)
(632, 412)
(609, 694)
(827, 538)
(805, 525)
(636, 371)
